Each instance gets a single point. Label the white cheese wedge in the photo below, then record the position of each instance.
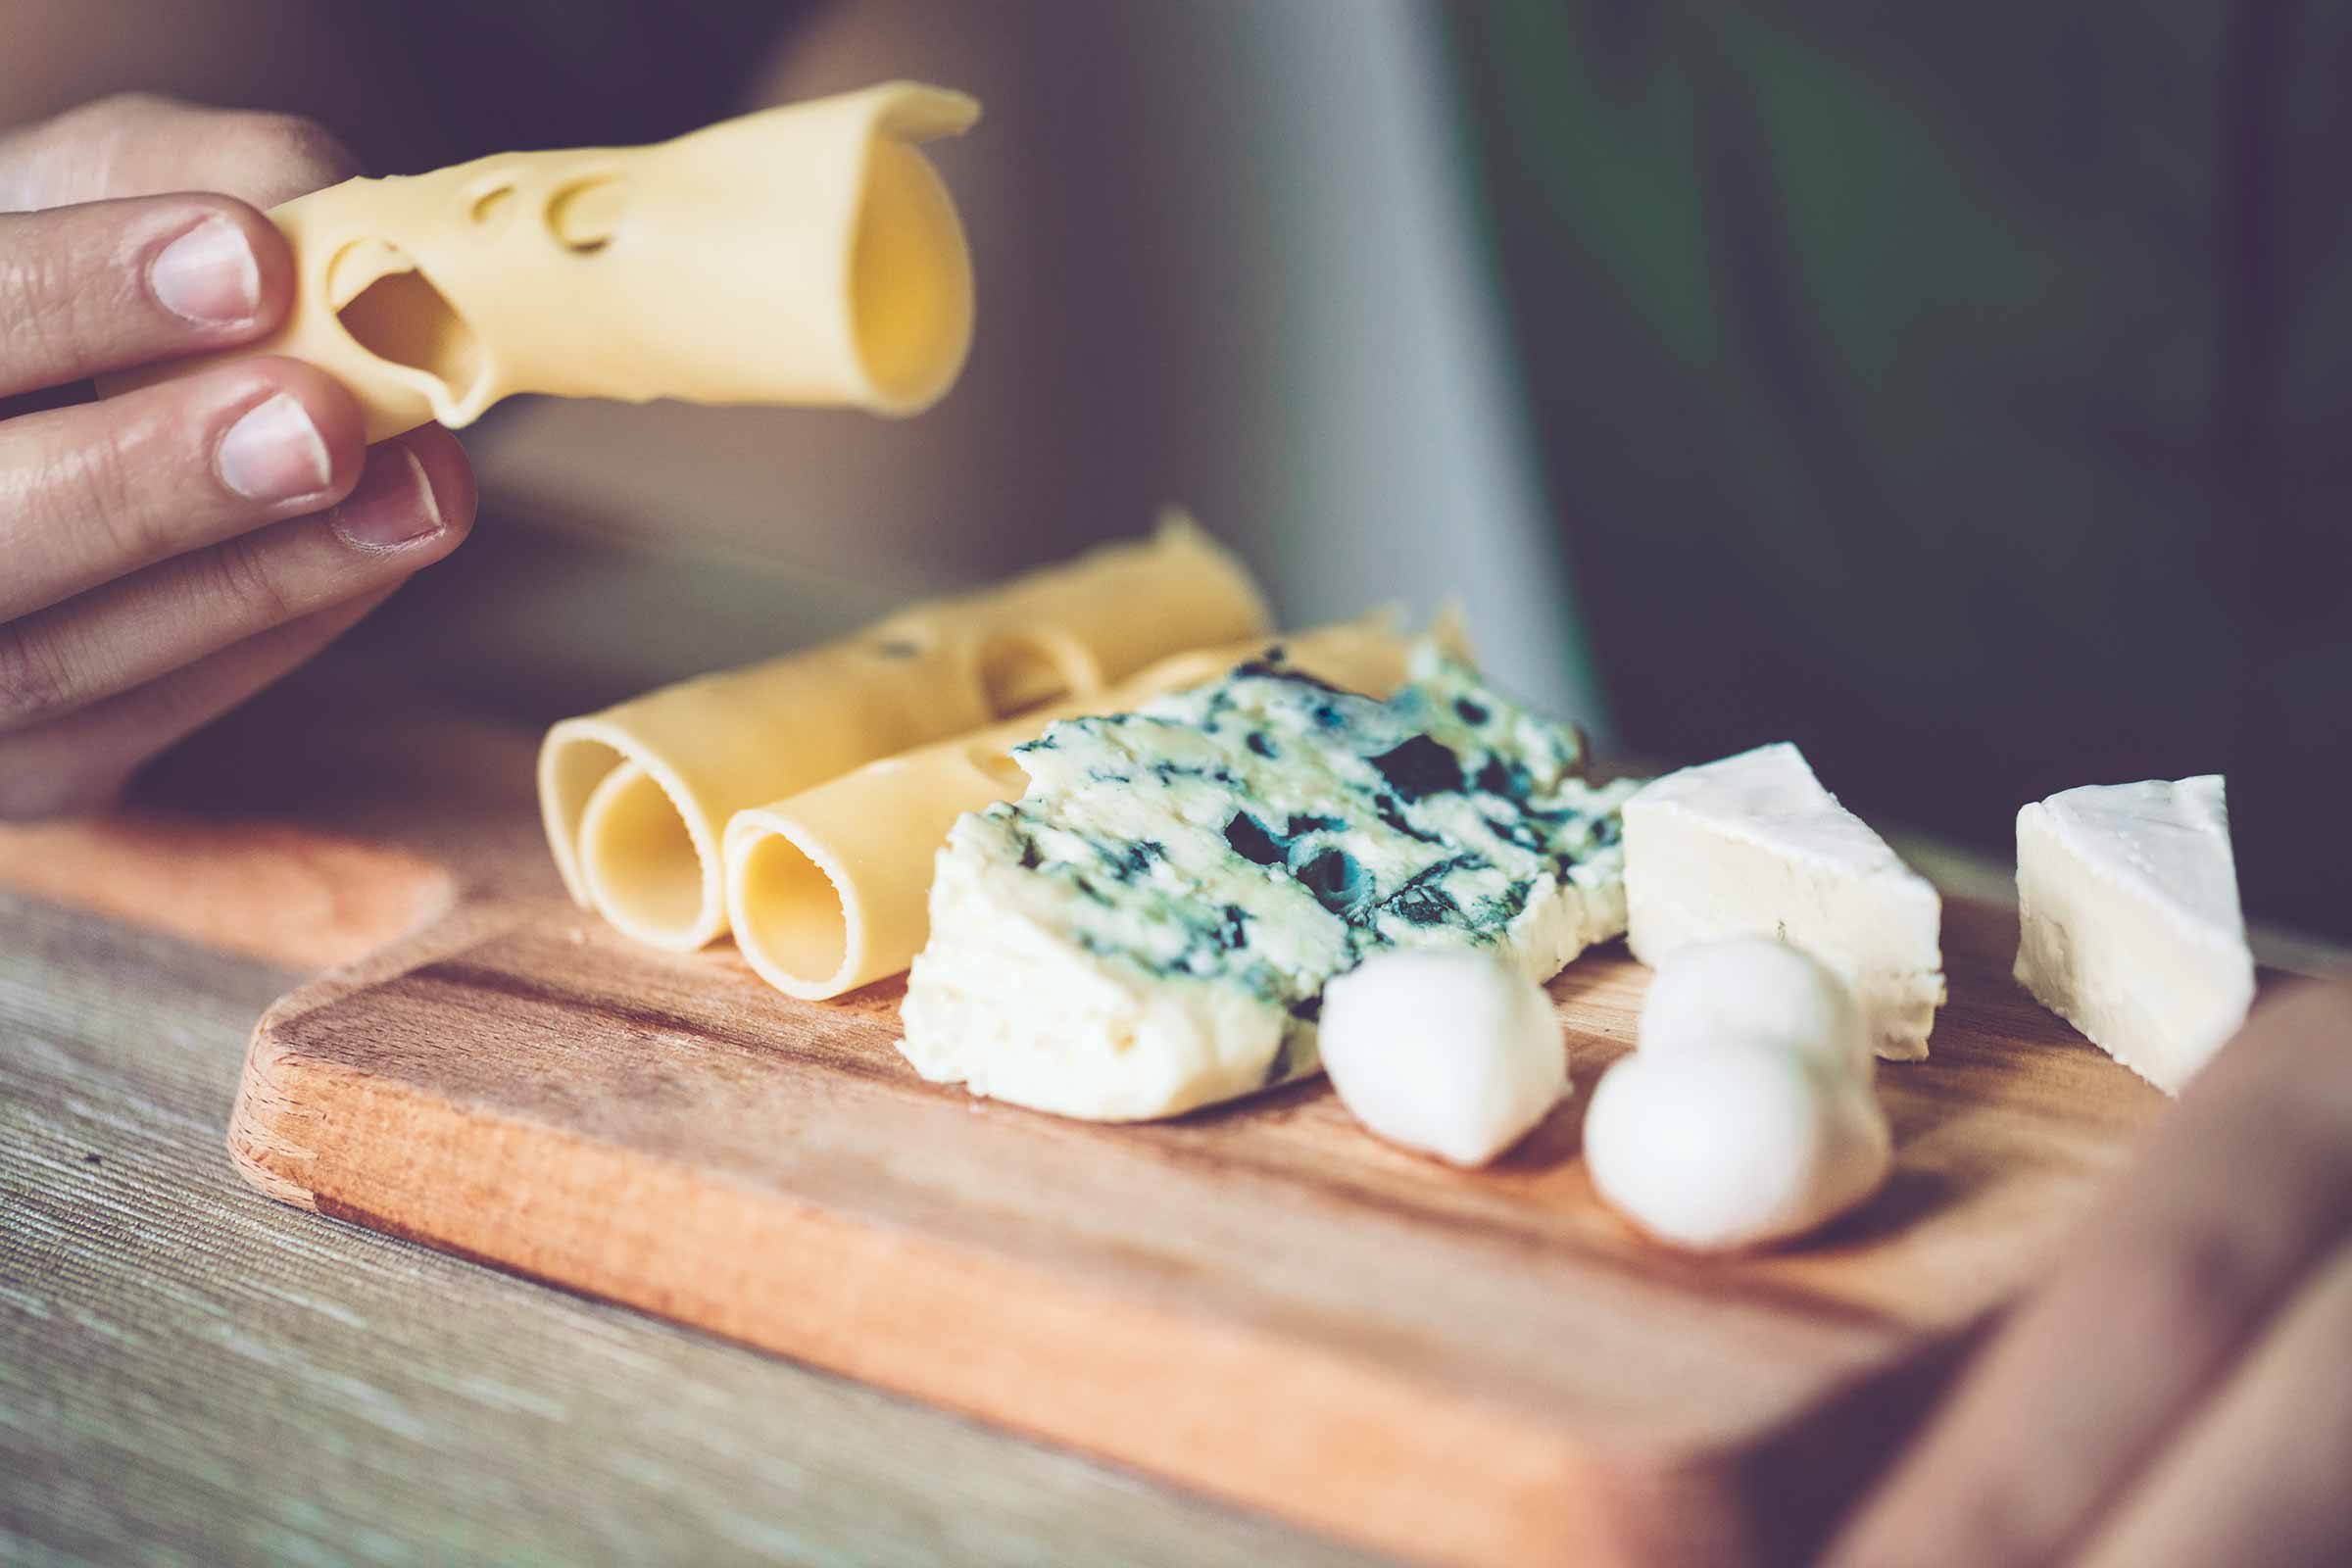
(1753, 846)
(2130, 922)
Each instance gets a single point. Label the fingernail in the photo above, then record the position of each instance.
(274, 453)
(207, 275)
(392, 504)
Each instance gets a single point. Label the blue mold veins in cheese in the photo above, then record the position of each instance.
(1150, 926)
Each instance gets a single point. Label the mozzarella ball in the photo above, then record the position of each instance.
(1456, 1055)
(1715, 1147)
(1755, 991)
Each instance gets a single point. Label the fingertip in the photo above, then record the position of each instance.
(415, 495)
(274, 280)
(217, 267)
(335, 414)
(450, 473)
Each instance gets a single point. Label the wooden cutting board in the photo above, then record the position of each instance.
(1261, 1301)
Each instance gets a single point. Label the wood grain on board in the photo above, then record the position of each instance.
(272, 891)
(1260, 1300)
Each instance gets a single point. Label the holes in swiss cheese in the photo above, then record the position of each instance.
(583, 215)
(999, 765)
(1018, 673)
(400, 316)
(492, 205)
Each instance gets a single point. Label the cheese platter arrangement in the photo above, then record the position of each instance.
(1279, 1061)
(1011, 1096)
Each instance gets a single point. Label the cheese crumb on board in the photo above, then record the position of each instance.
(2130, 925)
(1753, 846)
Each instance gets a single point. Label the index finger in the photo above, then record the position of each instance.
(2238, 1197)
(106, 285)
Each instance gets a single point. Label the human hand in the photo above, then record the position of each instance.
(167, 552)
(2182, 1392)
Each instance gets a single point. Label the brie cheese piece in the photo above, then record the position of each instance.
(2130, 922)
(1753, 846)
(1150, 926)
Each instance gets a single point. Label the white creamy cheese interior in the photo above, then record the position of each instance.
(2129, 921)
(1150, 926)
(1753, 846)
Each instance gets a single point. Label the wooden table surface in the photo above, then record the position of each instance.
(192, 1373)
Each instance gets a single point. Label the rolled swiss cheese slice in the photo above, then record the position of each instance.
(830, 890)
(806, 253)
(634, 799)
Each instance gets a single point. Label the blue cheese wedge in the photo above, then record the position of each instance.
(1149, 928)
